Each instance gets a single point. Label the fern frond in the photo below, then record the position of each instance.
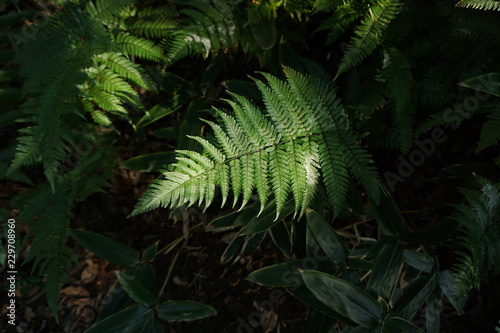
(207, 27)
(341, 19)
(56, 268)
(104, 10)
(480, 4)
(490, 135)
(50, 232)
(479, 217)
(139, 47)
(107, 101)
(399, 81)
(158, 28)
(369, 33)
(126, 69)
(305, 134)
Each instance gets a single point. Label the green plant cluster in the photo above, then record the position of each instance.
(334, 85)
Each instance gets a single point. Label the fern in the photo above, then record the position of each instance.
(125, 68)
(480, 4)
(480, 219)
(369, 33)
(105, 10)
(48, 215)
(399, 81)
(341, 19)
(82, 72)
(490, 135)
(305, 132)
(207, 27)
(52, 80)
(48, 246)
(155, 28)
(139, 47)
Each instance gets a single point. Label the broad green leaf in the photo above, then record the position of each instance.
(446, 282)
(326, 237)
(264, 32)
(413, 297)
(127, 320)
(399, 325)
(106, 248)
(386, 269)
(320, 323)
(152, 325)
(146, 275)
(150, 252)
(225, 222)
(184, 311)
(149, 162)
(306, 296)
(433, 313)
(488, 83)
(118, 298)
(281, 237)
(419, 260)
(344, 298)
(312, 245)
(252, 242)
(286, 274)
(159, 111)
(232, 248)
(359, 264)
(352, 277)
(387, 215)
(191, 125)
(136, 290)
(438, 233)
(298, 231)
(167, 132)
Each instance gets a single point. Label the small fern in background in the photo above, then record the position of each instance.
(82, 81)
(479, 216)
(203, 28)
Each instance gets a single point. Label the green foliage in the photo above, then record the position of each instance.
(206, 27)
(480, 4)
(84, 74)
(480, 221)
(288, 151)
(376, 20)
(139, 285)
(304, 123)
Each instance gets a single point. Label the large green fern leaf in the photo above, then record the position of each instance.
(304, 133)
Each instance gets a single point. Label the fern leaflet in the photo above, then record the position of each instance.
(480, 4)
(480, 219)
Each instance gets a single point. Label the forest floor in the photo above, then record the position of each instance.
(196, 271)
